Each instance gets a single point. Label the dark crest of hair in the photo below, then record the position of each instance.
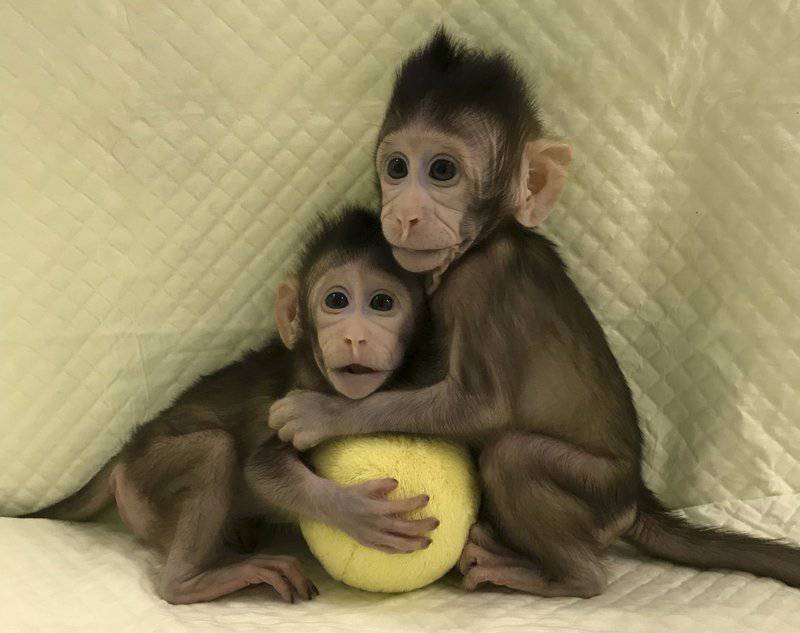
(352, 233)
(444, 78)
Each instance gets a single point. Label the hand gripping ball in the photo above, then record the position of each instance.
(441, 469)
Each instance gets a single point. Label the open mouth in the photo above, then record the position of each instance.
(355, 368)
(356, 380)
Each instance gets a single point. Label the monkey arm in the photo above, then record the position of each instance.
(445, 409)
(281, 480)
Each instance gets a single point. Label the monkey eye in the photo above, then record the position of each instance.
(442, 169)
(397, 168)
(381, 302)
(336, 300)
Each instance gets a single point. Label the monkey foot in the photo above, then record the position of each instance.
(473, 555)
(533, 581)
(520, 578)
(483, 550)
(483, 535)
(485, 560)
(282, 573)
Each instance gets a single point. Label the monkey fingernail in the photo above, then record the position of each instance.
(436, 523)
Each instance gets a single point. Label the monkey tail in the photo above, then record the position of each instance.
(95, 495)
(663, 534)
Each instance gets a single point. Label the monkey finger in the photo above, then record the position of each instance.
(298, 393)
(385, 541)
(382, 548)
(279, 418)
(377, 487)
(286, 433)
(403, 544)
(283, 409)
(409, 528)
(371, 538)
(401, 506)
(304, 441)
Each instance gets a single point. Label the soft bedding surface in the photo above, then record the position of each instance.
(160, 159)
(67, 577)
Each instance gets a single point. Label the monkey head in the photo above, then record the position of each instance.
(461, 147)
(351, 307)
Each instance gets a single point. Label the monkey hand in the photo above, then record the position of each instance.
(307, 418)
(366, 515)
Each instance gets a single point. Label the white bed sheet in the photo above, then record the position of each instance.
(94, 577)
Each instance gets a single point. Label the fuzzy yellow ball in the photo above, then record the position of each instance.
(440, 469)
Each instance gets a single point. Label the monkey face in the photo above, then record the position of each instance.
(428, 178)
(363, 318)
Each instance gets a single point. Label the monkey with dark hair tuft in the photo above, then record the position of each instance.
(196, 480)
(466, 173)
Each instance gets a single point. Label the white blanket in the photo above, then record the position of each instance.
(62, 577)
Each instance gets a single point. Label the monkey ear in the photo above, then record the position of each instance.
(287, 311)
(544, 174)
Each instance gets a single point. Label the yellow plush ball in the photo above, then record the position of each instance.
(440, 469)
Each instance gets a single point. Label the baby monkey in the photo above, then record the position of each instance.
(466, 174)
(195, 481)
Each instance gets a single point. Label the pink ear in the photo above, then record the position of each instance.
(287, 305)
(544, 174)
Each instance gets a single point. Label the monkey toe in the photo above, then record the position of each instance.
(470, 556)
(525, 580)
(533, 581)
(475, 555)
(483, 535)
(476, 576)
(290, 570)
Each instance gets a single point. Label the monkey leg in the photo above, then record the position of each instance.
(528, 495)
(243, 534)
(192, 510)
(483, 549)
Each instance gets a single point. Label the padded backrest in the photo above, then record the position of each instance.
(159, 161)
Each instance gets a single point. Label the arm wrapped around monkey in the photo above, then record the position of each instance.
(466, 174)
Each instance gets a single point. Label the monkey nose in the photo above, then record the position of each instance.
(405, 226)
(356, 342)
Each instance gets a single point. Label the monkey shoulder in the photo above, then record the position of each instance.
(511, 256)
(225, 399)
(259, 372)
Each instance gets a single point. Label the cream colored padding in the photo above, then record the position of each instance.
(159, 161)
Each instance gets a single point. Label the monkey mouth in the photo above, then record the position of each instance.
(356, 380)
(420, 260)
(355, 368)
